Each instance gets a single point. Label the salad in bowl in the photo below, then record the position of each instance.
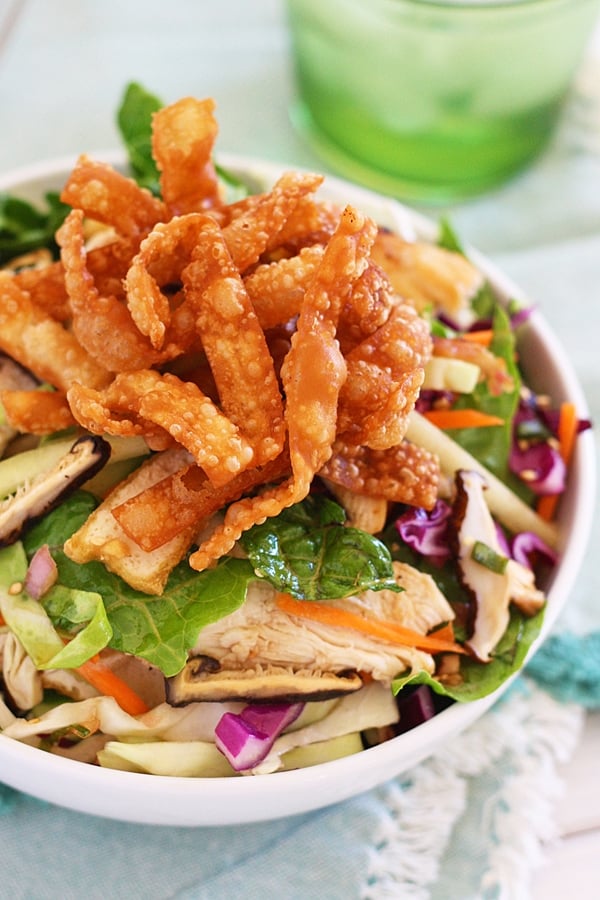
(291, 482)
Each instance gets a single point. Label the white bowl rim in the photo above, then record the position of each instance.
(191, 802)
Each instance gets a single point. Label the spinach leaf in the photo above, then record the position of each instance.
(159, 629)
(308, 552)
(162, 629)
(23, 227)
(134, 120)
(480, 679)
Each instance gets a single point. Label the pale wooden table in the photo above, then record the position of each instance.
(63, 65)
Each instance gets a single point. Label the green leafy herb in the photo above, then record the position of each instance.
(309, 553)
(448, 238)
(23, 227)
(134, 119)
(235, 188)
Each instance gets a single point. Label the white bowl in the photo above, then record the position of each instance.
(153, 799)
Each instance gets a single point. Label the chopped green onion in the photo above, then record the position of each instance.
(488, 557)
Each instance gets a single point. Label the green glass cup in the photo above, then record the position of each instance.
(434, 100)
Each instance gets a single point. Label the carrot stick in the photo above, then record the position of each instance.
(105, 681)
(567, 433)
(461, 418)
(483, 336)
(387, 631)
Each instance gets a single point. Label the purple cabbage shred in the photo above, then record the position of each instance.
(527, 546)
(246, 738)
(540, 466)
(426, 532)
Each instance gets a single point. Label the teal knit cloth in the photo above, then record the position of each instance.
(568, 667)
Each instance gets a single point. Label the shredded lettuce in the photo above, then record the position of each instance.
(30, 621)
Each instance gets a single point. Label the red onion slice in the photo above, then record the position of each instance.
(41, 573)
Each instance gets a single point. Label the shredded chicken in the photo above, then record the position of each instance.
(260, 634)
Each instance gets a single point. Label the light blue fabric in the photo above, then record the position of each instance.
(47, 853)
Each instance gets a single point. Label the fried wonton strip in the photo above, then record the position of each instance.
(137, 402)
(314, 370)
(385, 374)
(257, 230)
(193, 420)
(102, 538)
(402, 474)
(185, 499)
(311, 222)
(368, 308)
(313, 373)
(94, 413)
(160, 260)
(425, 274)
(183, 136)
(46, 287)
(276, 289)
(101, 324)
(235, 344)
(37, 412)
(41, 344)
(107, 196)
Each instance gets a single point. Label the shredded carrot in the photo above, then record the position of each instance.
(387, 631)
(2, 622)
(567, 433)
(484, 336)
(445, 633)
(567, 430)
(461, 418)
(105, 681)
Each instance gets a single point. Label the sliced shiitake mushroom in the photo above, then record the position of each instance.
(492, 587)
(46, 490)
(202, 679)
